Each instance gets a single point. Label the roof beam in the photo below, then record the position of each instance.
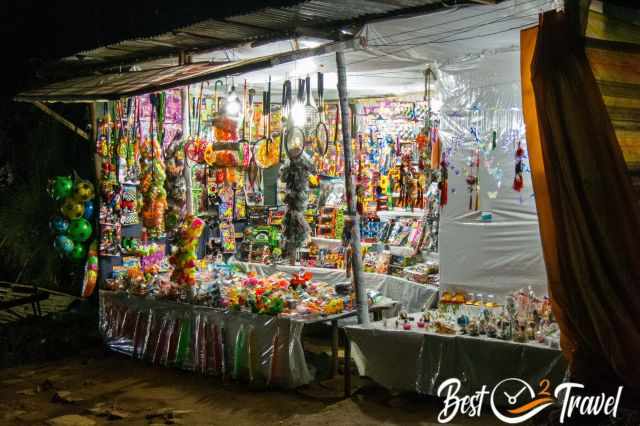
(68, 124)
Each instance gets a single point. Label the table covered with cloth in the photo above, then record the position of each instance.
(419, 361)
(260, 349)
(410, 295)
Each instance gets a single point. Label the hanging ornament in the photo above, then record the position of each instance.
(518, 180)
(295, 174)
(443, 185)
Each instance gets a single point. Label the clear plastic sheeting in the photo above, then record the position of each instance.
(419, 361)
(489, 234)
(259, 349)
(411, 296)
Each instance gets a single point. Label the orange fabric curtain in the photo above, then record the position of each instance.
(589, 221)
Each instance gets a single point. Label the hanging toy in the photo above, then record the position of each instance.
(443, 185)
(184, 259)
(518, 180)
(61, 187)
(83, 191)
(90, 271)
(295, 174)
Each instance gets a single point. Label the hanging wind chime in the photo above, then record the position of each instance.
(518, 180)
(473, 178)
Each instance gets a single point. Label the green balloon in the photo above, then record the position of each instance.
(62, 187)
(78, 253)
(80, 230)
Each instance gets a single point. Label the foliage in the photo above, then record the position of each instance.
(35, 148)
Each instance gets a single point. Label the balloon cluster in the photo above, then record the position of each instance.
(73, 226)
(152, 188)
(184, 259)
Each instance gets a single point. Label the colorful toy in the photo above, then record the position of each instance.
(61, 187)
(90, 271)
(78, 252)
(59, 225)
(184, 258)
(88, 210)
(80, 230)
(72, 209)
(83, 190)
(63, 244)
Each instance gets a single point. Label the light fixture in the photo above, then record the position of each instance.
(232, 105)
(297, 114)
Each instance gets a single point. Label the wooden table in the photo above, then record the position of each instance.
(377, 310)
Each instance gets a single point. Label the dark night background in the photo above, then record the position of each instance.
(33, 147)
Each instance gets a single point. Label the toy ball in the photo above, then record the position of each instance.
(88, 210)
(72, 209)
(59, 225)
(83, 191)
(92, 261)
(63, 244)
(78, 252)
(80, 230)
(61, 187)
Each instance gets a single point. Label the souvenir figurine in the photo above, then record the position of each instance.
(492, 330)
(463, 322)
(473, 328)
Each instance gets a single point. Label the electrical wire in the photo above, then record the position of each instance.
(459, 31)
(464, 18)
(462, 30)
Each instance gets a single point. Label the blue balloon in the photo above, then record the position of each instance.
(59, 225)
(88, 210)
(63, 244)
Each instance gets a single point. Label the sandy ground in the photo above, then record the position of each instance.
(112, 389)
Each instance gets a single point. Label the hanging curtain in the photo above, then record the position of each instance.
(589, 221)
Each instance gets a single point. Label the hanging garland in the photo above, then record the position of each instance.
(295, 174)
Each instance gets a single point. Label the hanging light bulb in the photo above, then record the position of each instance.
(298, 114)
(232, 105)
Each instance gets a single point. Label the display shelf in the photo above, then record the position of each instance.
(334, 242)
(383, 214)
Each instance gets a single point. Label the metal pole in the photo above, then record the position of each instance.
(184, 98)
(352, 213)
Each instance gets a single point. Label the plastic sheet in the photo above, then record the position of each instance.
(419, 361)
(259, 349)
(410, 295)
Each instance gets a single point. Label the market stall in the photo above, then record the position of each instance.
(238, 202)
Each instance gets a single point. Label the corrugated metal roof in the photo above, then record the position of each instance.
(324, 16)
(133, 83)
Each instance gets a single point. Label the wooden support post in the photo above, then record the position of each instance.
(334, 348)
(347, 366)
(352, 213)
(42, 107)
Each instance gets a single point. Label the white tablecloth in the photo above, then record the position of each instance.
(419, 361)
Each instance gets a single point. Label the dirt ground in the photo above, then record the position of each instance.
(112, 389)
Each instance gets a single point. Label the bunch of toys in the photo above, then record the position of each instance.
(152, 187)
(184, 259)
(275, 294)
